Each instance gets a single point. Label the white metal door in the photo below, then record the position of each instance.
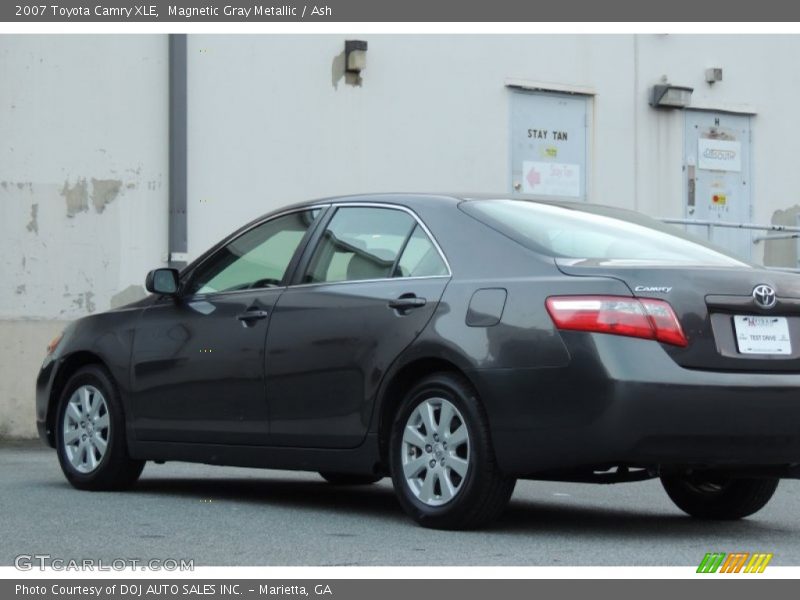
(717, 177)
(549, 144)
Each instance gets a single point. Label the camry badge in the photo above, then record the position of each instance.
(764, 296)
(659, 289)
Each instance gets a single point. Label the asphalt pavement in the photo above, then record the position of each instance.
(232, 516)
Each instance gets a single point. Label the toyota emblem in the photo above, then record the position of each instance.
(764, 296)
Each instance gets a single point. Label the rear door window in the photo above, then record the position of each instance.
(360, 243)
(420, 257)
(367, 243)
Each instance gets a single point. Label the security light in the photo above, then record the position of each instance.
(713, 75)
(670, 96)
(355, 56)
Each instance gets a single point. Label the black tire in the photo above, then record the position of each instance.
(718, 498)
(349, 478)
(484, 492)
(115, 470)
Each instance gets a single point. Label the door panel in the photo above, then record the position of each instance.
(198, 370)
(371, 285)
(198, 360)
(329, 347)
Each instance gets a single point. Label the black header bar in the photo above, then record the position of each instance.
(465, 11)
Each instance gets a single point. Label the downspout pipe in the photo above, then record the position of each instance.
(177, 218)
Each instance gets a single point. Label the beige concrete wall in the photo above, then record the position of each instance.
(83, 171)
(432, 111)
(272, 120)
(22, 349)
(83, 191)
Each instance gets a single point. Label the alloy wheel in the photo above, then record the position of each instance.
(86, 429)
(436, 451)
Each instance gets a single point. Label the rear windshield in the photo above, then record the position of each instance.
(595, 232)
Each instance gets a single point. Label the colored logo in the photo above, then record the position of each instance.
(736, 562)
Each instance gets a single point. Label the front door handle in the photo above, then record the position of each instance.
(252, 315)
(407, 302)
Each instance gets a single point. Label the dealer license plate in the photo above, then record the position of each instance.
(762, 335)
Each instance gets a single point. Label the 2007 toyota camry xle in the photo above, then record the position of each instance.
(456, 344)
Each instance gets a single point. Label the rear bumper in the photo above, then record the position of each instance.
(625, 401)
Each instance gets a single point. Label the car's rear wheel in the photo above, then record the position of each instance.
(718, 497)
(349, 478)
(90, 433)
(442, 461)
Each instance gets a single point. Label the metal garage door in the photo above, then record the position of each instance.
(549, 144)
(717, 171)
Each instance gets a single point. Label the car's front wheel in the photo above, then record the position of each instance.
(90, 433)
(442, 461)
(718, 497)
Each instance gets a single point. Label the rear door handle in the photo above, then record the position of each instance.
(253, 315)
(407, 302)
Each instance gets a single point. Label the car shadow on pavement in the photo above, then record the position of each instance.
(527, 517)
(523, 516)
(374, 500)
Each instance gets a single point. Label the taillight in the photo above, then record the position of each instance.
(636, 317)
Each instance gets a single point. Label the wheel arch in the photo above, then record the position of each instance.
(399, 383)
(68, 367)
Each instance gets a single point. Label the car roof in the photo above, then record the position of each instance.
(412, 200)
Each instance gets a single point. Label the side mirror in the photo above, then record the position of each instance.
(162, 281)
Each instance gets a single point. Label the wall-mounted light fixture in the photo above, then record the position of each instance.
(713, 75)
(670, 96)
(355, 56)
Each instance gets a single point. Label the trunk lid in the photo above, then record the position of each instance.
(706, 301)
